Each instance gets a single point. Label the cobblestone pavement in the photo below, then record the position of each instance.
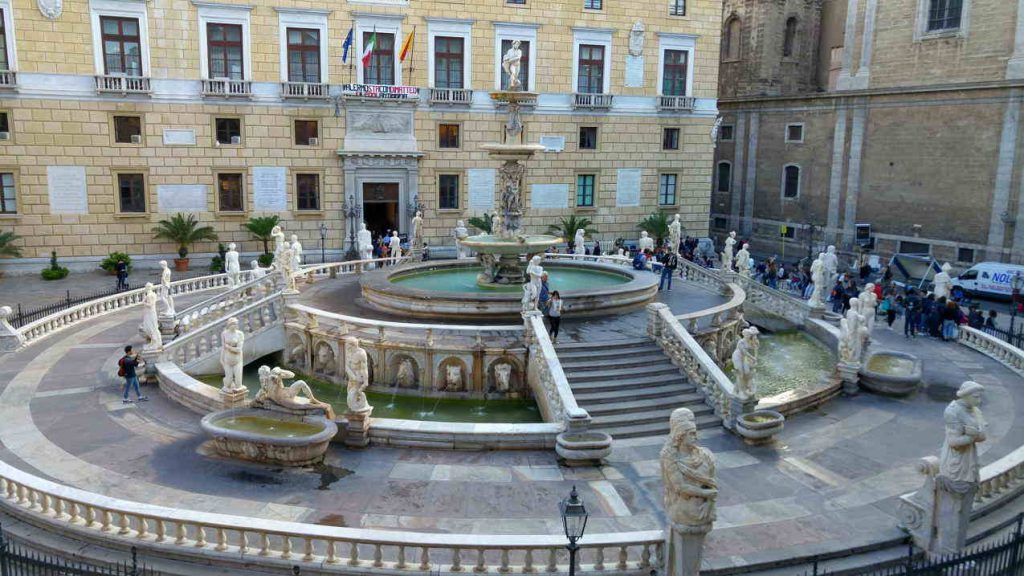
(33, 291)
(829, 483)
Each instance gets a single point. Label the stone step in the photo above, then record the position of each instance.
(598, 363)
(659, 415)
(605, 396)
(602, 344)
(612, 372)
(654, 428)
(631, 406)
(606, 353)
(674, 378)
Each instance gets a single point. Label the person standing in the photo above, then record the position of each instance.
(912, 307)
(121, 268)
(555, 315)
(544, 296)
(950, 320)
(597, 248)
(127, 366)
(669, 263)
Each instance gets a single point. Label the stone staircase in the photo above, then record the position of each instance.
(630, 387)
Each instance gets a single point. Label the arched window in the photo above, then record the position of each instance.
(791, 181)
(724, 182)
(731, 39)
(789, 40)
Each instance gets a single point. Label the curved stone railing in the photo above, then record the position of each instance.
(702, 370)
(719, 314)
(200, 343)
(1000, 481)
(348, 267)
(227, 302)
(1000, 351)
(773, 301)
(603, 259)
(547, 380)
(705, 277)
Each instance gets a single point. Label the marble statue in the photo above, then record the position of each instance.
(232, 341)
(232, 266)
(273, 390)
(460, 232)
(357, 375)
(296, 248)
(165, 289)
(965, 428)
(851, 334)
(406, 377)
(279, 244)
(324, 359)
(819, 277)
(395, 246)
(287, 272)
(364, 243)
(416, 240)
(727, 252)
(943, 282)
(529, 299)
(636, 39)
(675, 234)
(743, 261)
(646, 242)
(257, 270)
(150, 327)
(691, 488)
(535, 271)
(868, 304)
(510, 63)
(502, 376)
(453, 377)
(744, 361)
(579, 246)
(831, 266)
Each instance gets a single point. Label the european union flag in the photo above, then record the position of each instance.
(347, 45)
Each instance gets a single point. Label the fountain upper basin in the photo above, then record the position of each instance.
(491, 244)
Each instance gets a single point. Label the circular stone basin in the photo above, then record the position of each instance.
(448, 290)
(269, 437)
(892, 373)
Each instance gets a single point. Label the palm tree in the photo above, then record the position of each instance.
(566, 228)
(184, 230)
(482, 223)
(260, 228)
(656, 225)
(7, 247)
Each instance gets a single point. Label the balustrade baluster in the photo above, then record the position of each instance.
(222, 540)
(552, 560)
(401, 557)
(160, 530)
(90, 516)
(72, 512)
(480, 566)
(456, 559)
(353, 554)
(645, 557)
(623, 556)
(331, 557)
(104, 520)
(504, 561)
(44, 503)
(424, 559)
(200, 536)
(143, 530)
(286, 546)
(124, 523)
(599, 558)
(264, 544)
(378, 556)
(308, 543)
(528, 561)
(21, 495)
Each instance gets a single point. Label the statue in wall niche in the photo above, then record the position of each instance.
(510, 63)
(536, 272)
(851, 334)
(579, 245)
(503, 376)
(395, 246)
(357, 375)
(364, 240)
(232, 341)
(165, 289)
(406, 377)
(691, 489)
(965, 428)
(730, 243)
(645, 242)
(416, 241)
(297, 353)
(831, 262)
(287, 270)
(232, 266)
(452, 378)
(529, 300)
(636, 39)
(324, 359)
(150, 327)
(819, 277)
(296, 248)
(460, 232)
(743, 261)
(943, 282)
(273, 390)
(280, 244)
(868, 304)
(744, 361)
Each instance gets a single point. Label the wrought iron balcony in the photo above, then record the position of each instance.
(123, 85)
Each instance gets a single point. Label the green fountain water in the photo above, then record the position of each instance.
(891, 365)
(271, 427)
(464, 280)
(789, 361)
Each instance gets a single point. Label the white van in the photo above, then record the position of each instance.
(988, 279)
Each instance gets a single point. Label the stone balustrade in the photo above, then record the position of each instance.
(767, 299)
(1000, 480)
(702, 370)
(700, 275)
(718, 329)
(547, 380)
(199, 344)
(1000, 351)
(227, 302)
(603, 259)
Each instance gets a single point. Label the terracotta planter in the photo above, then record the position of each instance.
(181, 264)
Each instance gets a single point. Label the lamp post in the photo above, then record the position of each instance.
(351, 211)
(323, 243)
(1017, 284)
(574, 520)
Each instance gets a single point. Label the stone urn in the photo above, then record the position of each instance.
(759, 426)
(583, 448)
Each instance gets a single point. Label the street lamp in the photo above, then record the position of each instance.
(574, 520)
(323, 243)
(351, 211)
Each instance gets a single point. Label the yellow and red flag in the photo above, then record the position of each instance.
(407, 46)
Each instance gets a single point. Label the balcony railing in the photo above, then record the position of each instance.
(524, 102)
(305, 90)
(591, 101)
(123, 85)
(8, 80)
(676, 103)
(225, 88)
(453, 96)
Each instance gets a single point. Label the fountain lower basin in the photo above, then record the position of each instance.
(268, 437)
(891, 373)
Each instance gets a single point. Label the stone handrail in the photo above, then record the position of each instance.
(607, 259)
(1003, 352)
(71, 316)
(204, 341)
(773, 301)
(719, 391)
(731, 310)
(348, 266)
(228, 301)
(239, 540)
(697, 274)
(547, 380)
(1000, 480)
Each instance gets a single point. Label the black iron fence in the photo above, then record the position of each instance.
(1013, 335)
(18, 561)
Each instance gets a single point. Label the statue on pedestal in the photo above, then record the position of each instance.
(460, 232)
(819, 277)
(691, 488)
(165, 289)
(287, 272)
(510, 63)
(232, 341)
(364, 242)
(730, 243)
(395, 246)
(852, 330)
(257, 270)
(416, 241)
(279, 244)
(535, 271)
(943, 282)
(272, 389)
(296, 248)
(529, 300)
(743, 261)
(831, 266)
(868, 304)
(232, 266)
(357, 374)
(675, 234)
(150, 327)
(579, 246)
(744, 361)
(645, 242)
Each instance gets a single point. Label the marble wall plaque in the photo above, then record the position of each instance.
(179, 137)
(549, 196)
(480, 183)
(553, 143)
(634, 71)
(627, 187)
(270, 188)
(171, 198)
(68, 190)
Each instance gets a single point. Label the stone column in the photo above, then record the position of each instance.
(357, 428)
(1015, 65)
(750, 186)
(835, 182)
(654, 319)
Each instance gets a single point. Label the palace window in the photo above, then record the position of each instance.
(791, 181)
(670, 139)
(5, 123)
(592, 4)
(448, 191)
(731, 39)
(674, 75)
(5, 63)
(307, 191)
(590, 79)
(228, 130)
(962, 254)
(448, 136)
(448, 62)
(588, 137)
(122, 46)
(585, 190)
(132, 192)
(9, 198)
(724, 177)
(224, 51)
(230, 190)
(944, 14)
(794, 133)
(307, 132)
(524, 63)
(125, 127)
(726, 133)
(789, 37)
(382, 60)
(677, 7)
(303, 55)
(667, 190)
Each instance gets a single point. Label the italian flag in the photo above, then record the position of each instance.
(368, 49)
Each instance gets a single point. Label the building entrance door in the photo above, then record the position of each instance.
(380, 207)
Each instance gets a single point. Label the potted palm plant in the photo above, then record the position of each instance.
(656, 225)
(566, 229)
(260, 227)
(184, 230)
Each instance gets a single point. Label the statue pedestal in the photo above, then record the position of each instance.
(938, 514)
(167, 324)
(357, 431)
(685, 545)
(849, 372)
(739, 406)
(234, 398)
